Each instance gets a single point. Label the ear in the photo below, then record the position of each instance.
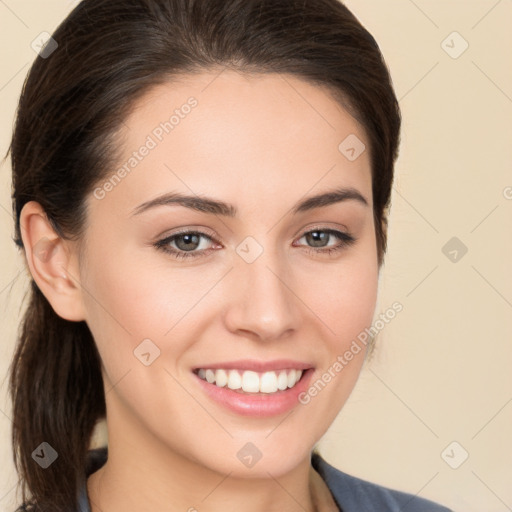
(53, 263)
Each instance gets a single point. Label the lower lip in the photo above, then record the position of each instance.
(262, 404)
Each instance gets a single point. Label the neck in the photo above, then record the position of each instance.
(139, 484)
(146, 476)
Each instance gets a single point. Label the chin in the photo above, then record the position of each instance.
(258, 458)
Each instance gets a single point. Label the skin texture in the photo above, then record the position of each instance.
(261, 143)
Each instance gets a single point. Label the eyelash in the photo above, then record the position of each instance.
(345, 239)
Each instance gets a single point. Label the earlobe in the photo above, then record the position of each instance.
(52, 263)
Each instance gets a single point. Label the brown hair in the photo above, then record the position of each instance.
(110, 52)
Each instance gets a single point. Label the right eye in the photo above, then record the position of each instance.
(184, 244)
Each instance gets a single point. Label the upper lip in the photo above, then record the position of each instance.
(257, 366)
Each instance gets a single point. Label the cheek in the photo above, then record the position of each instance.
(343, 298)
(347, 303)
(343, 294)
(132, 297)
(346, 309)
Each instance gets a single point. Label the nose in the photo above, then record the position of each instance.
(262, 304)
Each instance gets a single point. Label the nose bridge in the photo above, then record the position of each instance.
(263, 302)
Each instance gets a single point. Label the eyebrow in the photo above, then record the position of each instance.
(217, 207)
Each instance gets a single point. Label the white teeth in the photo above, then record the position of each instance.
(221, 378)
(291, 378)
(234, 380)
(268, 382)
(282, 381)
(251, 382)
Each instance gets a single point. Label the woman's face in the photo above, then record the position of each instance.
(256, 297)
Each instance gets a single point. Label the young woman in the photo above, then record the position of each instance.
(200, 190)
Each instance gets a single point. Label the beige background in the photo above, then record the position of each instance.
(441, 372)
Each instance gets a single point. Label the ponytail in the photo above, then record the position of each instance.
(57, 394)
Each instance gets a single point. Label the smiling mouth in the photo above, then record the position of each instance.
(251, 382)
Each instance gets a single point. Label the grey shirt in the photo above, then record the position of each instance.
(351, 494)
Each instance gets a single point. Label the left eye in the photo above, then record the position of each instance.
(318, 236)
(188, 244)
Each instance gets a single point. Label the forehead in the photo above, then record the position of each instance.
(219, 133)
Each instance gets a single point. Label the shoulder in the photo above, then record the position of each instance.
(353, 494)
(96, 458)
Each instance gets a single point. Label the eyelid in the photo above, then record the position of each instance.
(187, 230)
(324, 227)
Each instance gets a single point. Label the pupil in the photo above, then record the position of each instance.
(190, 239)
(318, 236)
